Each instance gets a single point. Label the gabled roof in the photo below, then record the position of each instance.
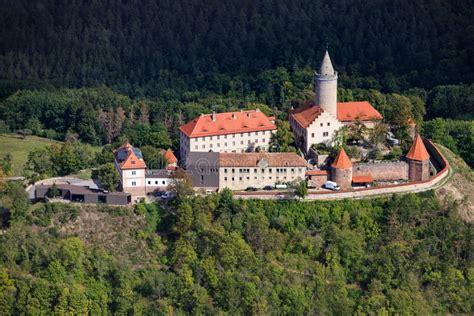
(342, 161)
(306, 114)
(346, 111)
(253, 159)
(350, 111)
(129, 157)
(228, 123)
(418, 150)
(170, 157)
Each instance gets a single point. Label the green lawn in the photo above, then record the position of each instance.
(19, 148)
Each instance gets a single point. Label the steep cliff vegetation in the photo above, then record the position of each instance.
(406, 254)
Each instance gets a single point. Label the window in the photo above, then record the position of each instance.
(248, 141)
(225, 170)
(256, 140)
(210, 145)
(233, 143)
(240, 178)
(196, 147)
(312, 135)
(218, 137)
(263, 140)
(156, 182)
(241, 142)
(203, 146)
(233, 170)
(163, 182)
(255, 170)
(149, 182)
(134, 183)
(325, 134)
(210, 138)
(233, 179)
(218, 144)
(248, 178)
(202, 179)
(256, 133)
(292, 170)
(225, 136)
(225, 178)
(321, 124)
(134, 173)
(225, 144)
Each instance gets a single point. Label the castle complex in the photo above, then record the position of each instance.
(230, 150)
(318, 120)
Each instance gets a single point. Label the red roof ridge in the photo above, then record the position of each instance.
(342, 161)
(227, 123)
(349, 111)
(418, 150)
(306, 114)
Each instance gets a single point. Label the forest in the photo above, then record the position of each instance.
(146, 48)
(409, 254)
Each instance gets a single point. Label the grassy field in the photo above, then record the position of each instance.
(19, 148)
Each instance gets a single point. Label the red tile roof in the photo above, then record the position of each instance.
(127, 158)
(315, 172)
(363, 179)
(346, 111)
(306, 114)
(228, 123)
(342, 161)
(252, 159)
(170, 157)
(418, 150)
(349, 111)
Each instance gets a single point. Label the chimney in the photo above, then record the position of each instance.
(257, 110)
(213, 116)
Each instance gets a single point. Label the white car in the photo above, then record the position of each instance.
(331, 185)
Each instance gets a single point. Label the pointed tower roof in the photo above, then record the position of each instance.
(170, 157)
(326, 66)
(342, 161)
(418, 150)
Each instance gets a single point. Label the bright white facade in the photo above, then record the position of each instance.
(318, 120)
(242, 131)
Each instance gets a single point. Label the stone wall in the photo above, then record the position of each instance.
(384, 170)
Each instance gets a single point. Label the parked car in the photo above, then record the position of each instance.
(281, 186)
(331, 185)
(251, 189)
(167, 196)
(268, 188)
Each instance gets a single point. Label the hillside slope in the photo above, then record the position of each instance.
(460, 186)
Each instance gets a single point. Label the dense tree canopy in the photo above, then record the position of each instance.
(406, 254)
(146, 47)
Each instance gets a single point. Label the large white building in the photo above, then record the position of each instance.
(317, 121)
(241, 131)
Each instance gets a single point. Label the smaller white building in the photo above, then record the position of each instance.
(157, 180)
(131, 169)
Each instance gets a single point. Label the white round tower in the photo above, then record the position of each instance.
(326, 86)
